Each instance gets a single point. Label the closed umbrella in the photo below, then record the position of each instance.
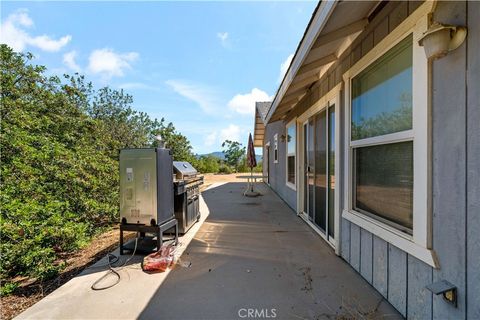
(251, 162)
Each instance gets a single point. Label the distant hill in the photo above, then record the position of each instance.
(220, 155)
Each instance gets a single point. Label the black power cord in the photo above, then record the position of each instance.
(112, 259)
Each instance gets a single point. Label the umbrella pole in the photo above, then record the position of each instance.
(251, 179)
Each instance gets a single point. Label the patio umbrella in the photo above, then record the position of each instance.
(251, 162)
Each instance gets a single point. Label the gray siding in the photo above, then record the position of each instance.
(455, 120)
(380, 266)
(456, 185)
(278, 170)
(473, 161)
(397, 278)
(449, 155)
(419, 299)
(366, 253)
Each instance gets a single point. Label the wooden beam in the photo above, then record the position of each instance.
(340, 33)
(317, 64)
(291, 99)
(305, 82)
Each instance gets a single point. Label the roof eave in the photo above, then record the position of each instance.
(318, 21)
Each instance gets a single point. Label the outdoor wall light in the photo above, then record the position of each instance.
(446, 289)
(282, 138)
(440, 39)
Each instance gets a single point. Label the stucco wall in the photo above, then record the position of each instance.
(398, 276)
(278, 170)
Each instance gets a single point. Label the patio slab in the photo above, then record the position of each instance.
(250, 258)
(256, 254)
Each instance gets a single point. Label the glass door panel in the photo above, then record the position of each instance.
(321, 170)
(305, 168)
(331, 171)
(310, 168)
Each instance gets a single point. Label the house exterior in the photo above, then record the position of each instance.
(377, 147)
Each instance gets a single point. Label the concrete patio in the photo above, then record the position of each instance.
(251, 257)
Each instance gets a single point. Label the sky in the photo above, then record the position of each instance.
(200, 65)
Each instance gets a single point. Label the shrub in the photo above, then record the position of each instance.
(59, 168)
(224, 168)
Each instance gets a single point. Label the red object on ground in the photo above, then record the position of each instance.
(159, 261)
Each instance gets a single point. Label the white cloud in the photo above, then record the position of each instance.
(107, 63)
(284, 67)
(202, 95)
(13, 33)
(69, 61)
(223, 36)
(210, 139)
(245, 103)
(232, 132)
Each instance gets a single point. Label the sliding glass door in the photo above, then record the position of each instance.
(319, 170)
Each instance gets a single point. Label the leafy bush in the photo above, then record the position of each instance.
(224, 168)
(207, 164)
(8, 288)
(59, 162)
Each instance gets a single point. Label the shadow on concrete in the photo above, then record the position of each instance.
(253, 257)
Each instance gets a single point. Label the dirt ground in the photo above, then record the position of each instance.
(210, 178)
(31, 291)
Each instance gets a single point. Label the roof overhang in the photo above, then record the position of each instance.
(332, 29)
(261, 109)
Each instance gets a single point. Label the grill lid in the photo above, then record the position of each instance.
(183, 169)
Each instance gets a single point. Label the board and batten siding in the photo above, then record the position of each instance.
(278, 171)
(455, 131)
(400, 277)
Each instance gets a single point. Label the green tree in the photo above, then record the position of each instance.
(59, 144)
(233, 151)
(58, 184)
(178, 143)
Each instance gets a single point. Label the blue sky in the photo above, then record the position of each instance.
(200, 65)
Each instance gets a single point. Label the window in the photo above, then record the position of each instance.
(387, 150)
(291, 141)
(381, 107)
(275, 148)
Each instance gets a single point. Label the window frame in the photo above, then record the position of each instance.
(275, 148)
(292, 186)
(419, 244)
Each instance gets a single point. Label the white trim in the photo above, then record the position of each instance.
(320, 104)
(422, 231)
(292, 186)
(393, 236)
(418, 244)
(394, 37)
(301, 165)
(267, 163)
(384, 139)
(338, 180)
(324, 103)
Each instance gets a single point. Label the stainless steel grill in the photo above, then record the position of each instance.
(187, 195)
(184, 170)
